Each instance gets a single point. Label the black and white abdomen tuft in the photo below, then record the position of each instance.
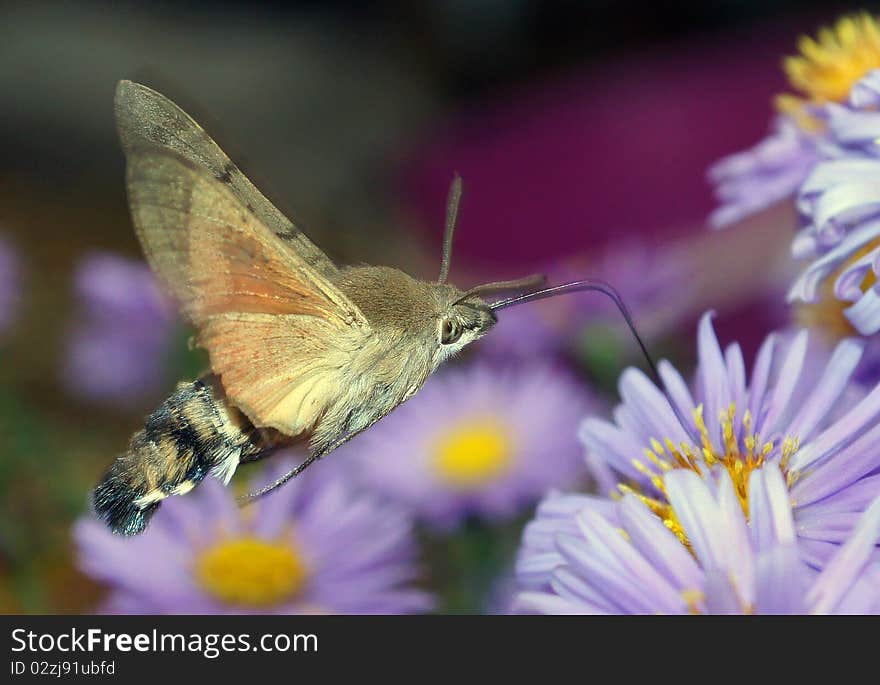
(193, 433)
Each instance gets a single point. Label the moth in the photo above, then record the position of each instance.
(299, 348)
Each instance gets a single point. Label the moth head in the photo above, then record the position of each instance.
(462, 322)
(464, 316)
(468, 316)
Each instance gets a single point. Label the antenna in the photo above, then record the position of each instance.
(452, 202)
(503, 286)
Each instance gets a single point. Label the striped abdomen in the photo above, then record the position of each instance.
(193, 433)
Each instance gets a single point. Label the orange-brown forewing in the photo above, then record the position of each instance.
(275, 329)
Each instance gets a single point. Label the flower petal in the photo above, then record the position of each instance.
(780, 581)
(847, 564)
(649, 406)
(547, 603)
(824, 396)
(864, 315)
(789, 376)
(769, 509)
(841, 433)
(720, 595)
(697, 511)
(713, 382)
(658, 544)
(760, 379)
(608, 541)
(838, 470)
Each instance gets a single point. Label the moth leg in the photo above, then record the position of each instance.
(293, 473)
(299, 468)
(265, 442)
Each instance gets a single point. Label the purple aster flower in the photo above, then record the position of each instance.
(122, 333)
(316, 545)
(750, 181)
(797, 410)
(703, 556)
(10, 285)
(476, 440)
(831, 70)
(840, 203)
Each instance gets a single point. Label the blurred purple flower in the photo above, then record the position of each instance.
(535, 330)
(799, 411)
(314, 546)
(476, 440)
(10, 286)
(747, 182)
(122, 332)
(647, 278)
(620, 558)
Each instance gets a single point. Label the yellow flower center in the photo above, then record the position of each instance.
(739, 458)
(252, 572)
(829, 66)
(827, 315)
(473, 454)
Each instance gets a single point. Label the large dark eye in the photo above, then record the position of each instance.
(450, 333)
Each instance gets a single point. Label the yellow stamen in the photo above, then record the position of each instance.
(660, 463)
(738, 457)
(828, 67)
(693, 598)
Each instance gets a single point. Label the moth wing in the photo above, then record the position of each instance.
(275, 329)
(147, 118)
